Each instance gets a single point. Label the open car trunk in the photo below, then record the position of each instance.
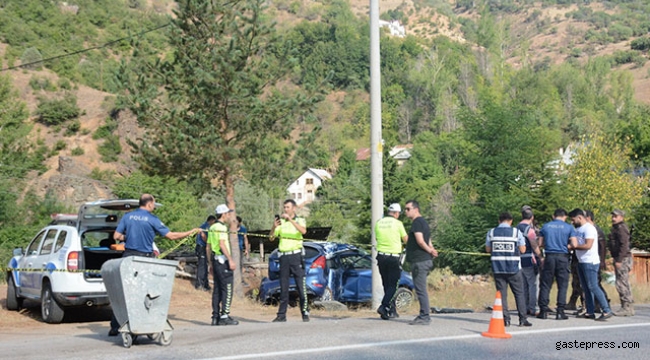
(94, 258)
(96, 244)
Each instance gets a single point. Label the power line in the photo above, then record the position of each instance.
(86, 50)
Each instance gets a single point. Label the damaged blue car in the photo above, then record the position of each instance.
(333, 271)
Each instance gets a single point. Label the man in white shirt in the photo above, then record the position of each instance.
(586, 247)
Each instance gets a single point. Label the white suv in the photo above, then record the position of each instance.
(60, 266)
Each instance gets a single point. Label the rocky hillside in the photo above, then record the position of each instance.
(539, 34)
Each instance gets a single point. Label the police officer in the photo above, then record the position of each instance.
(290, 228)
(244, 246)
(218, 250)
(138, 229)
(390, 234)
(555, 237)
(529, 259)
(506, 244)
(202, 282)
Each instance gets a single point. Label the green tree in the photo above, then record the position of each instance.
(501, 168)
(181, 209)
(602, 179)
(213, 110)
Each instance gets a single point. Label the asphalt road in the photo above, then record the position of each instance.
(450, 336)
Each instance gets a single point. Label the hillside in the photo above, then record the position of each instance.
(535, 34)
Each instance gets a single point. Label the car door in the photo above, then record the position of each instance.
(26, 279)
(43, 258)
(354, 279)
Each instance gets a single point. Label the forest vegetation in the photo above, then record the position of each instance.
(237, 99)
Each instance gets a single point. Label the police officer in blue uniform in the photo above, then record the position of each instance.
(202, 282)
(555, 237)
(530, 259)
(506, 244)
(138, 229)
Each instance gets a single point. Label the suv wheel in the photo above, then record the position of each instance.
(327, 295)
(51, 311)
(403, 298)
(14, 302)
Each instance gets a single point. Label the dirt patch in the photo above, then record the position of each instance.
(188, 307)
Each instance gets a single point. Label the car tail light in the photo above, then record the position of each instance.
(73, 260)
(318, 263)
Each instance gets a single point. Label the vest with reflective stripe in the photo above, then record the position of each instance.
(505, 251)
(527, 257)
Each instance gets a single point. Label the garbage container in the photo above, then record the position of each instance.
(139, 290)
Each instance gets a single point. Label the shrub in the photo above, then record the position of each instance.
(31, 55)
(77, 151)
(624, 57)
(106, 130)
(110, 149)
(102, 175)
(41, 83)
(294, 7)
(641, 44)
(65, 84)
(57, 111)
(73, 128)
(60, 145)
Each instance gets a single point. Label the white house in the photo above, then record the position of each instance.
(401, 153)
(395, 28)
(303, 190)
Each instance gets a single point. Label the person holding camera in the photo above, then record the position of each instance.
(290, 228)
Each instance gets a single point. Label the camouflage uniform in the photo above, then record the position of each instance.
(619, 247)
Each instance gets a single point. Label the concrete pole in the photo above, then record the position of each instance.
(376, 171)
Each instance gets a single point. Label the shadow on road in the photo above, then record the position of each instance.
(32, 310)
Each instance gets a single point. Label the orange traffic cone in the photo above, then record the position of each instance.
(497, 328)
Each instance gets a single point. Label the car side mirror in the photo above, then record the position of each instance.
(18, 252)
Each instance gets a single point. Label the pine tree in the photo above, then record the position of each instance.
(213, 110)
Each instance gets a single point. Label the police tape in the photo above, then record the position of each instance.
(257, 235)
(189, 237)
(464, 252)
(51, 270)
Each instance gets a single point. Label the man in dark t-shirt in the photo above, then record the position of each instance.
(419, 253)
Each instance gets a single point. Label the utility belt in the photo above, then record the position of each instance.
(547, 254)
(130, 252)
(388, 254)
(290, 252)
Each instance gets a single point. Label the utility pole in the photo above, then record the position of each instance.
(376, 153)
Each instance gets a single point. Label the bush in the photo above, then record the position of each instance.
(624, 57)
(73, 128)
(640, 44)
(31, 55)
(102, 175)
(65, 84)
(60, 145)
(41, 83)
(106, 130)
(77, 151)
(57, 111)
(110, 149)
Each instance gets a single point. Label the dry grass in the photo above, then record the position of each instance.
(189, 306)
